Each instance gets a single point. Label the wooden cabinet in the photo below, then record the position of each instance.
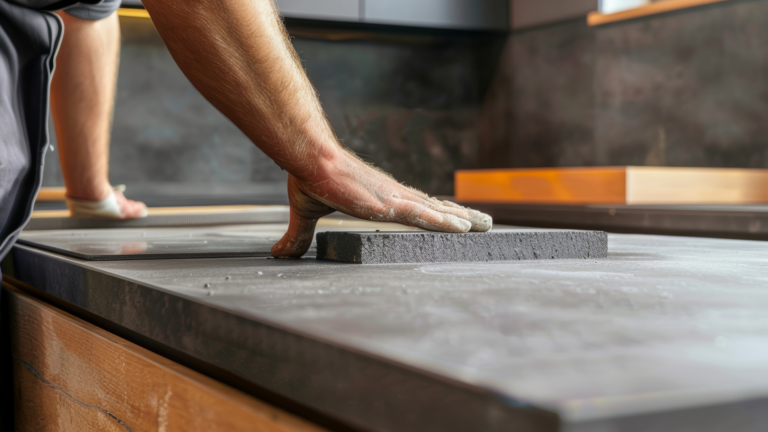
(335, 10)
(70, 375)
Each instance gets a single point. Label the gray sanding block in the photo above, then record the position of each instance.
(427, 247)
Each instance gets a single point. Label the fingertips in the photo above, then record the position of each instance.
(462, 225)
(293, 244)
(443, 222)
(481, 222)
(281, 249)
(289, 247)
(133, 209)
(298, 238)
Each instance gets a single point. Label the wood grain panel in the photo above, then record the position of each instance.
(557, 185)
(597, 18)
(614, 185)
(661, 185)
(72, 376)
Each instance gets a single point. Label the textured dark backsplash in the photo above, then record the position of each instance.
(680, 89)
(540, 109)
(687, 89)
(410, 107)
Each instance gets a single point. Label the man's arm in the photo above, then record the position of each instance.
(238, 55)
(82, 97)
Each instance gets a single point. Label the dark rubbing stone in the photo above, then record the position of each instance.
(423, 247)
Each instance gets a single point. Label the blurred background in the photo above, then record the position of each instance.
(424, 88)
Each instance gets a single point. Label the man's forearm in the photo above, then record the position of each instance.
(82, 96)
(237, 54)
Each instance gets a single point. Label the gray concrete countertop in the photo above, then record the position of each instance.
(667, 333)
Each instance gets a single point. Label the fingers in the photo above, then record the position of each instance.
(134, 209)
(450, 204)
(130, 209)
(480, 221)
(413, 214)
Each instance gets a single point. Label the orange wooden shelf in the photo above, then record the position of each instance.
(597, 18)
(614, 185)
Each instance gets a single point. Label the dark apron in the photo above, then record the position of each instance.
(29, 40)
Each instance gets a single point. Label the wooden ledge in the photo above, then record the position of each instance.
(625, 185)
(72, 375)
(52, 194)
(597, 18)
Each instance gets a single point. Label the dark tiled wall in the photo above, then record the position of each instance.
(540, 109)
(687, 89)
(406, 102)
(681, 89)
(167, 140)
(408, 106)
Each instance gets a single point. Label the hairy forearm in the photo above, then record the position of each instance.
(237, 54)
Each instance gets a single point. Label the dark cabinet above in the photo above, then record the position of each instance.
(489, 15)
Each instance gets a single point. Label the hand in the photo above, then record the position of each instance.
(130, 209)
(239, 56)
(108, 204)
(355, 188)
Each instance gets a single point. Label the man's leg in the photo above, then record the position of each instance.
(82, 97)
(238, 55)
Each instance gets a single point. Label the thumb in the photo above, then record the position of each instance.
(297, 240)
(305, 211)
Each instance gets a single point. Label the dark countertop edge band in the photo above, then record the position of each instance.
(675, 222)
